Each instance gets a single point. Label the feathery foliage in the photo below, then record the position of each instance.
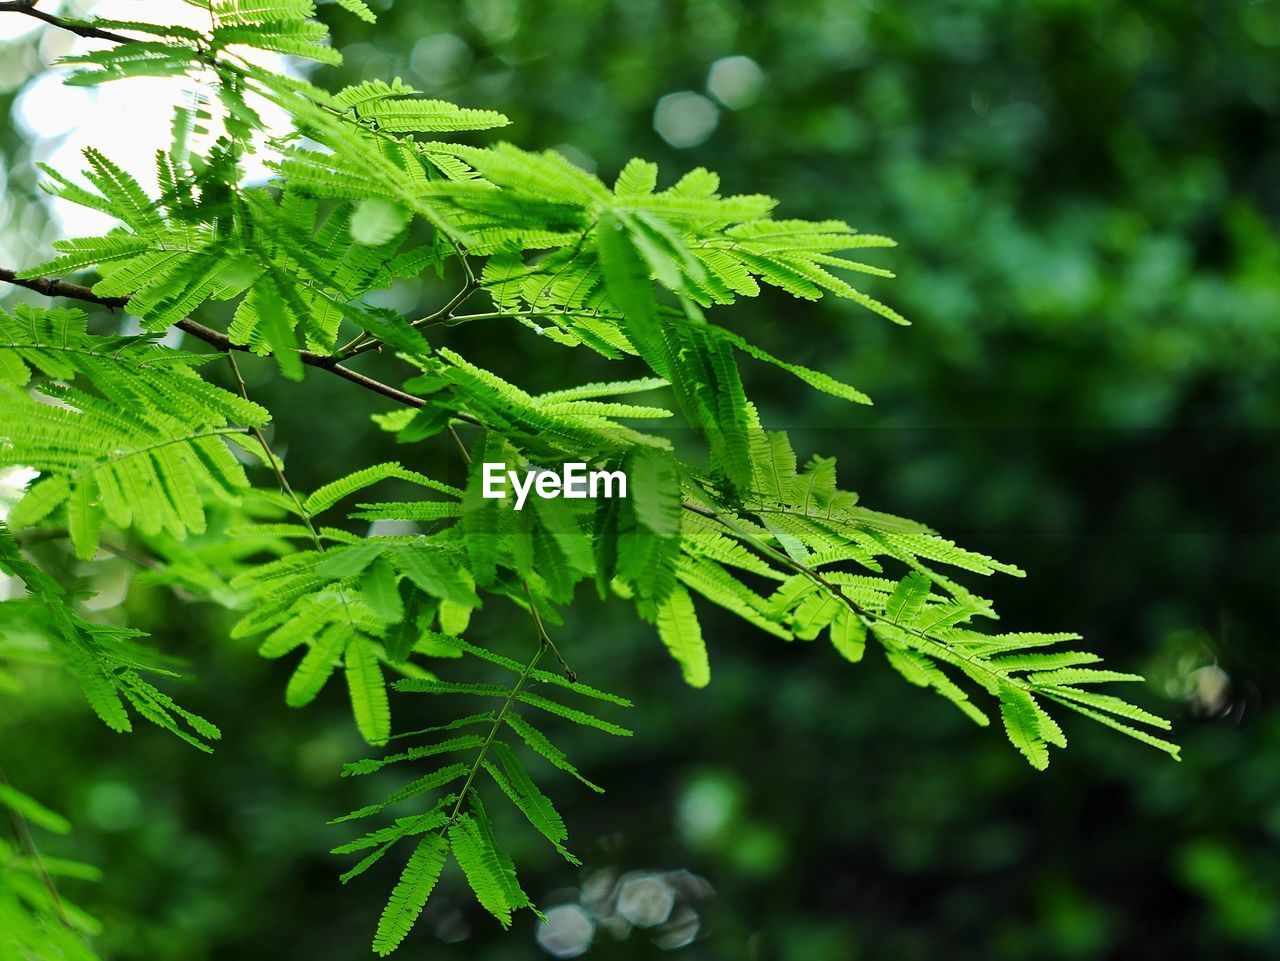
(132, 445)
(107, 661)
(36, 919)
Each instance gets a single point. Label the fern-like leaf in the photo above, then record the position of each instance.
(410, 893)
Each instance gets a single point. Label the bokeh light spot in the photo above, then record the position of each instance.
(706, 807)
(567, 932)
(685, 119)
(735, 81)
(114, 805)
(439, 60)
(645, 901)
(49, 108)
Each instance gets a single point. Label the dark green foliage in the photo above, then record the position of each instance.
(36, 919)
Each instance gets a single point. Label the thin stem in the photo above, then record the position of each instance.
(500, 314)
(365, 342)
(23, 832)
(466, 264)
(274, 461)
(462, 448)
(287, 488)
(368, 383)
(545, 637)
(214, 432)
(40, 535)
(493, 732)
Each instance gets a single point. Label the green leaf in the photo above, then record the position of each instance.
(376, 221)
(384, 838)
(919, 670)
(480, 515)
(276, 325)
(539, 743)
(595, 390)
(572, 714)
(1173, 750)
(545, 677)
(379, 589)
(1044, 661)
(361, 10)
(306, 618)
(330, 494)
(653, 486)
(488, 869)
(83, 519)
(453, 617)
(42, 498)
(907, 598)
(637, 179)
(513, 781)
(1073, 676)
(627, 280)
(343, 562)
(428, 782)
(32, 810)
(317, 665)
(1021, 717)
(410, 894)
(1110, 704)
(404, 637)
(434, 571)
(368, 691)
(678, 627)
(462, 743)
(848, 634)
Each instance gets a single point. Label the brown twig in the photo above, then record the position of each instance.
(28, 8)
(53, 287)
(365, 342)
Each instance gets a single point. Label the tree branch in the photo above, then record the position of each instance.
(53, 287)
(28, 8)
(366, 342)
(38, 535)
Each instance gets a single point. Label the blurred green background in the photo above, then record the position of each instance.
(1086, 198)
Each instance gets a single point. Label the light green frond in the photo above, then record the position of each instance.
(410, 893)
